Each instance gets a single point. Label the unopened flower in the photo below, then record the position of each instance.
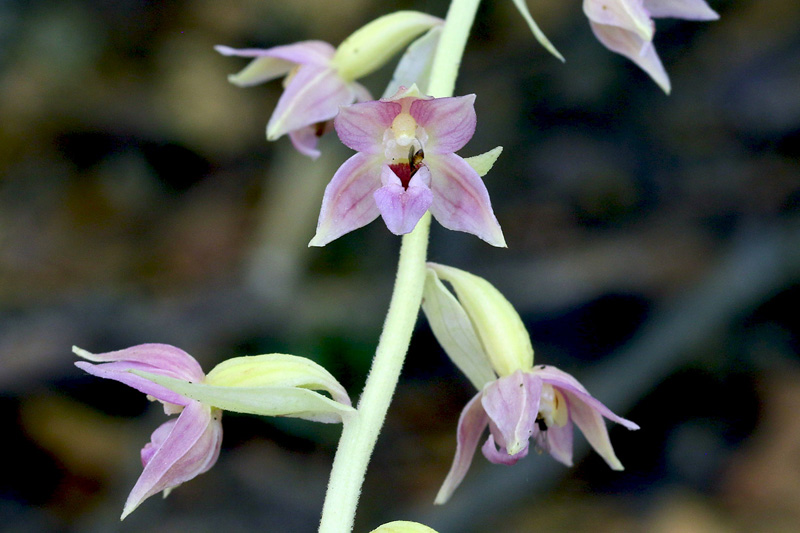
(405, 166)
(320, 78)
(518, 402)
(182, 448)
(627, 28)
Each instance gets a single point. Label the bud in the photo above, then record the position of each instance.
(401, 526)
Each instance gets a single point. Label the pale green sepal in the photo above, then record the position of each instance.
(276, 370)
(267, 401)
(540, 36)
(454, 331)
(498, 325)
(260, 70)
(484, 162)
(415, 65)
(401, 526)
(371, 46)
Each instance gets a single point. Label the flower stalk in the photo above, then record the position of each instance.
(360, 431)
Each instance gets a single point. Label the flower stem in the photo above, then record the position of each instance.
(360, 431)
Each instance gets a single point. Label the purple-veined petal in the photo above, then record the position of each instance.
(460, 199)
(630, 45)
(500, 456)
(402, 208)
(681, 9)
(449, 122)
(121, 371)
(629, 15)
(591, 423)
(512, 403)
(305, 140)
(313, 95)
(348, 202)
(566, 383)
(191, 448)
(558, 442)
(471, 424)
(361, 126)
(166, 359)
(275, 62)
(302, 53)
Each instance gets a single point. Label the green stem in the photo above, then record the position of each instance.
(361, 430)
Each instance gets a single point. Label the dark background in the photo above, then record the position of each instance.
(654, 252)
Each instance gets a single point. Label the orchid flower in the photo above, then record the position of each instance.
(320, 78)
(405, 166)
(484, 336)
(180, 449)
(626, 27)
(183, 448)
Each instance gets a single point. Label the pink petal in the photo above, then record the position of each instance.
(190, 449)
(157, 439)
(558, 442)
(121, 371)
(313, 95)
(512, 404)
(629, 15)
(348, 202)
(566, 383)
(449, 122)
(471, 424)
(501, 456)
(164, 357)
(593, 427)
(305, 141)
(302, 53)
(460, 199)
(681, 9)
(361, 126)
(630, 45)
(402, 208)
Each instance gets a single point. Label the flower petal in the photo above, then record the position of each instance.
(293, 402)
(305, 140)
(121, 371)
(566, 383)
(629, 15)
(591, 423)
(361, 126)
(501, 456)
(681, 9)
(313, 95)
(275, 62)
(165, 358)
(190, 449)
(449, 122)
(538, 33)
(402, 208)
(558, 442)
(460, 199)
(348, 203)
(455, 332)
(471, 424)
(512, 404)
(630, 45)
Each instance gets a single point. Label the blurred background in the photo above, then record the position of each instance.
(653, 251)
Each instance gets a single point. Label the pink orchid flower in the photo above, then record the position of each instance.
(540, 404)
(314, 90)
(181, 448)
(405, 166)
(626, 27)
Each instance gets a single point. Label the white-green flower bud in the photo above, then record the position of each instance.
(401, 526)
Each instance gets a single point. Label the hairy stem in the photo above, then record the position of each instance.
(361, 429)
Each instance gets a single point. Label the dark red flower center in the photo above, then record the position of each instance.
(406, 168)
